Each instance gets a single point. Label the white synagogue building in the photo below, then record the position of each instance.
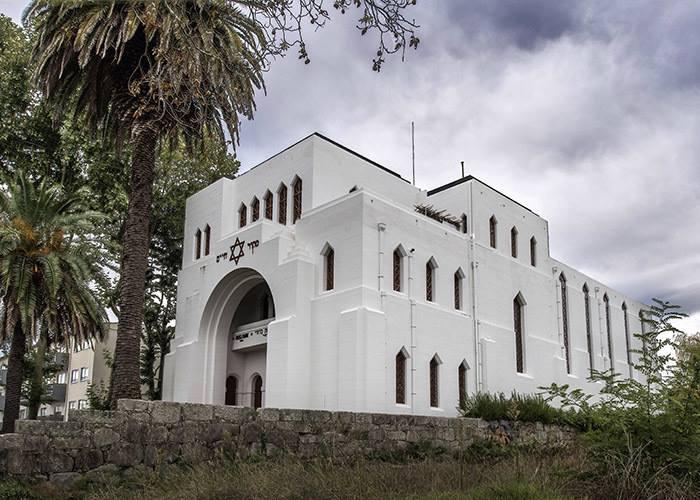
(322, 280)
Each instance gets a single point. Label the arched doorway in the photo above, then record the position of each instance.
(231, 391)
(257, 390)
(235, 325)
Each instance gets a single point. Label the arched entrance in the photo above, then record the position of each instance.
(235, 325)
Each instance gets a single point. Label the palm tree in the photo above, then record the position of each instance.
(47, 265)
(141, 72)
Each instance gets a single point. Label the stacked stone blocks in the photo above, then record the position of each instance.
(152, 433)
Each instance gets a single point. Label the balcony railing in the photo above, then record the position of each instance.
(250, 335)
(56, 392)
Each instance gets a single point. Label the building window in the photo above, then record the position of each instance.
(231, 391)
(82, 404)
(198, 244)
(514, 242)
(493, 225)
(255, 207)
(282, 204)
(257, 391)
(401, 377)
(61, 378)
(589, 334)
(627, 337)
(430, 280)
(435, 382)
(242, 215)
(462, 383)
(608, 327)
(268, 205)
(328, 267)
(458, 285)
(533, 252)
(72, 405)
(463, 224)
(83, 373)
(565, 320)
(397, 271)
(296, 209)
(74, 376)
(207, 240)
(518, 304)
(42, 411)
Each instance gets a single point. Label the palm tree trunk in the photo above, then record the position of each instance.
(125, 380)
(15, 376)
(36, 390)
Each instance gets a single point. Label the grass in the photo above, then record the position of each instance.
(486, 472)
(517, 407)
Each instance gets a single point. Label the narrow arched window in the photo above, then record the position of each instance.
(589, 333)
(533, 252)
(268, 205)
(257, 391)
(435, 382)
(458, 289)
(463, 224)
(518, 330)
(231, 398)
(328, 268)
(401, 377)
(242, 215)
(297, 195)
(430, 280)
(514, 242)
(608, 327)
(493, 226)
(207, 240)
(565, 320)
(627, 337)
(198, 244)
(255, 207)
(397, 269)
(282, 204)
(462, 383)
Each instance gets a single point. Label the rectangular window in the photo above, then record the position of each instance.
(42, 412)
(462, 384)
(83, 373)
(514, 243)
(458, 290)
(400, 378)
(330, 269)
(72, 405)
(61, 378)
(74, 376)
(429, 278)
(518, 329)
(434, 383)
(492, 232)
(82, 404)
(533, 252)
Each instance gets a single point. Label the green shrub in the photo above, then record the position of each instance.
(11, 490)
(647, 429)
(519, 407)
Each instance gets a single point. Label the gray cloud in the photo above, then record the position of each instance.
(585, 111)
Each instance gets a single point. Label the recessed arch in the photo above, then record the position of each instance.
(462, 370)
(242, 215)
(514, 242)
(458, 288)
(232, 305)
(608, 328)
(207, 240)
(519, 331)
(256, 391)
(198, 244)
(268, 202)
(400, 375)
(563, 290)
(533, 251)
(493, 229)
(328, 254)
(398, 268)
(589, 332)
(255, 209)
(297, 198)
(434, 369)
(430, 279)
(282, 203)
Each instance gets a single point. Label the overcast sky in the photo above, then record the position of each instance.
(587, 112)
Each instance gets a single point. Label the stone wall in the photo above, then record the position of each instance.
(152, 433)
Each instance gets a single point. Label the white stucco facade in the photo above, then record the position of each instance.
(255, 318)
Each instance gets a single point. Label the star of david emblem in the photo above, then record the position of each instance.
(237, 251)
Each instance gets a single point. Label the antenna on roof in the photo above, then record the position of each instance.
(462, 169)
(413, 151)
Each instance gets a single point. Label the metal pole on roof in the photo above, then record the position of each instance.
(413, 151)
